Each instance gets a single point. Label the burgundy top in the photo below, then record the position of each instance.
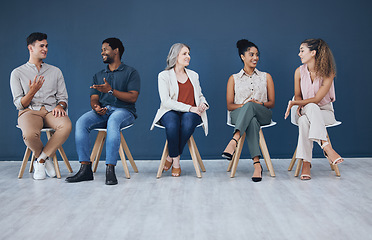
(186, 93)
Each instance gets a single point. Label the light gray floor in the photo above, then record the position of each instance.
(214, 207)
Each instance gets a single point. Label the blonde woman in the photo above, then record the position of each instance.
(182, 107)
(314, 94)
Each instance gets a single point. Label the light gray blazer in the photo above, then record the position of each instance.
(168, 92)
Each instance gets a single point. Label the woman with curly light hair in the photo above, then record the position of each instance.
(314, 94)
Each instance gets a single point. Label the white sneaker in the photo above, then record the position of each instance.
(49, 167)
(39, 170)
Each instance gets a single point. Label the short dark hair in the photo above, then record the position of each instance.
(243, 45)
(36, 36)
(114, 44)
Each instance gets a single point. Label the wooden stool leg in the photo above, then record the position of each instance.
(231, 162)
(96, 145)
(101, 142)
(194, 158)
(293, 161)
(32, 162)
(230, 165)
(124, 162)
(236, 156)
(65, 160)
(201, 164)
(298, 168)
(329, 140)
(124, 145)
(337, 171)
(55, 160)
(266, 155)
(24, 162)
(163, 159)
(56, 166)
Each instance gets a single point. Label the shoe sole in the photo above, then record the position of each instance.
(38, 178)
(66, 180)
(50, 175)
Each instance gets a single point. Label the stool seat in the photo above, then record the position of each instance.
(105, 129)
(98, 147)
(194, 152)
(49, 132)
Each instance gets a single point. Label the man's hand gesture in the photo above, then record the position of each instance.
(36, 84)
(103, 87)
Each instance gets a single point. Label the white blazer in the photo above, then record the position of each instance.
(168, 92)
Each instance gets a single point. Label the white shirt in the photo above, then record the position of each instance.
(250, 87)
(49, 95)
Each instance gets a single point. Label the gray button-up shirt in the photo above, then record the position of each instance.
(49, 95)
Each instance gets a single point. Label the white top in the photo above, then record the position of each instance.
(168, 92)
(248, 87)
(52, 92)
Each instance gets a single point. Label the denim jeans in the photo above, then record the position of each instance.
(179, 126)
(113, 120)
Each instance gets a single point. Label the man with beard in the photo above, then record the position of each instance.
(39, 93)
(113, 95)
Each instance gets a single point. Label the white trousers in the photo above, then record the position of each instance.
(312, 127)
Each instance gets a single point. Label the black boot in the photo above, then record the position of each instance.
(84, 174)
(110, 175)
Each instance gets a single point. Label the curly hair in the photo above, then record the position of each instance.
(325, 65)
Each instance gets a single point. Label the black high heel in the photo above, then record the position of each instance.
(257, 179)
(227, 155)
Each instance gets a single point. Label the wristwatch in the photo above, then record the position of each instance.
(63, 106)
(111, 91)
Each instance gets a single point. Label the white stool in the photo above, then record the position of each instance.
(194, 152)
(49, 132)
(265, 152)
(299, 164)
(98, 146)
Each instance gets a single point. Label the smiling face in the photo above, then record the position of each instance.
(183, 58)
(39, 49)
(251, 57)
(108, 54)
(305, 54)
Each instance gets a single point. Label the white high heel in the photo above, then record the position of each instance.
(335, 162)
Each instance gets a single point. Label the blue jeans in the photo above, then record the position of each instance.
(113, 120)
(179, 126)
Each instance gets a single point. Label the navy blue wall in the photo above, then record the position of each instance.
(148, 28)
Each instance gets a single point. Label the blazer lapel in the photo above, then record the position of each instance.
(173, 84)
